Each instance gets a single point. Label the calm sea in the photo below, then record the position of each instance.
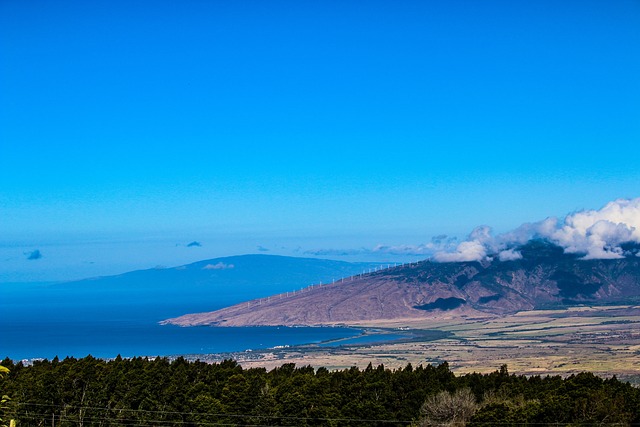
(38, 322)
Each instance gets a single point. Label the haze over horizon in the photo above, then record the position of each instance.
(131, 131)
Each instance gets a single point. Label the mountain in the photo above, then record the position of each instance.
(202, 285)
(235, 273)
(544, 277)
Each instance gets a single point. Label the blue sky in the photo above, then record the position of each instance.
(129, 129)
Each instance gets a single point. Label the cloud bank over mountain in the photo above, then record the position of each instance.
(596, 234)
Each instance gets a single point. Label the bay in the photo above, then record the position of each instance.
(107, 339)
(40, 321)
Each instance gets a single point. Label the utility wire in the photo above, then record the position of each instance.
(217, 414)
(136, 422)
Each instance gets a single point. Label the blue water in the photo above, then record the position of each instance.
(43, 322)
(107, 339)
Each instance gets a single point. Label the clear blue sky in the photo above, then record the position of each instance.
(127, 128)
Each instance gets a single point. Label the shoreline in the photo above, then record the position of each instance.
(604, 340)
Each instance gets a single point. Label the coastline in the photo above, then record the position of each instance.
(535, 342)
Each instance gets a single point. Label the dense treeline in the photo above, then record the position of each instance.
(160, 392)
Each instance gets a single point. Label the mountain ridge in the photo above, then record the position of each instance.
(203, 285)
(236, 270)
(545, 276)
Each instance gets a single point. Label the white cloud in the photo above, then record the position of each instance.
(475, 248)
(598, 234)
(422, 249)
(466, 251)
(219, 266)
(509, 255)
(438, 244)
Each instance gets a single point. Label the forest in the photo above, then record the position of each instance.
(177, 392)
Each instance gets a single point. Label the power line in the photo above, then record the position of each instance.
(232, 415)
(164, 422)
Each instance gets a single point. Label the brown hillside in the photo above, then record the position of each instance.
(544, 277)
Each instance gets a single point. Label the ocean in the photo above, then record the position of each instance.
(41, 321)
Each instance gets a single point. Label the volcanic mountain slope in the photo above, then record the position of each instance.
(222, 281)
(544, 277)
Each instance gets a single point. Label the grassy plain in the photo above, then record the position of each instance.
(604, 340)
